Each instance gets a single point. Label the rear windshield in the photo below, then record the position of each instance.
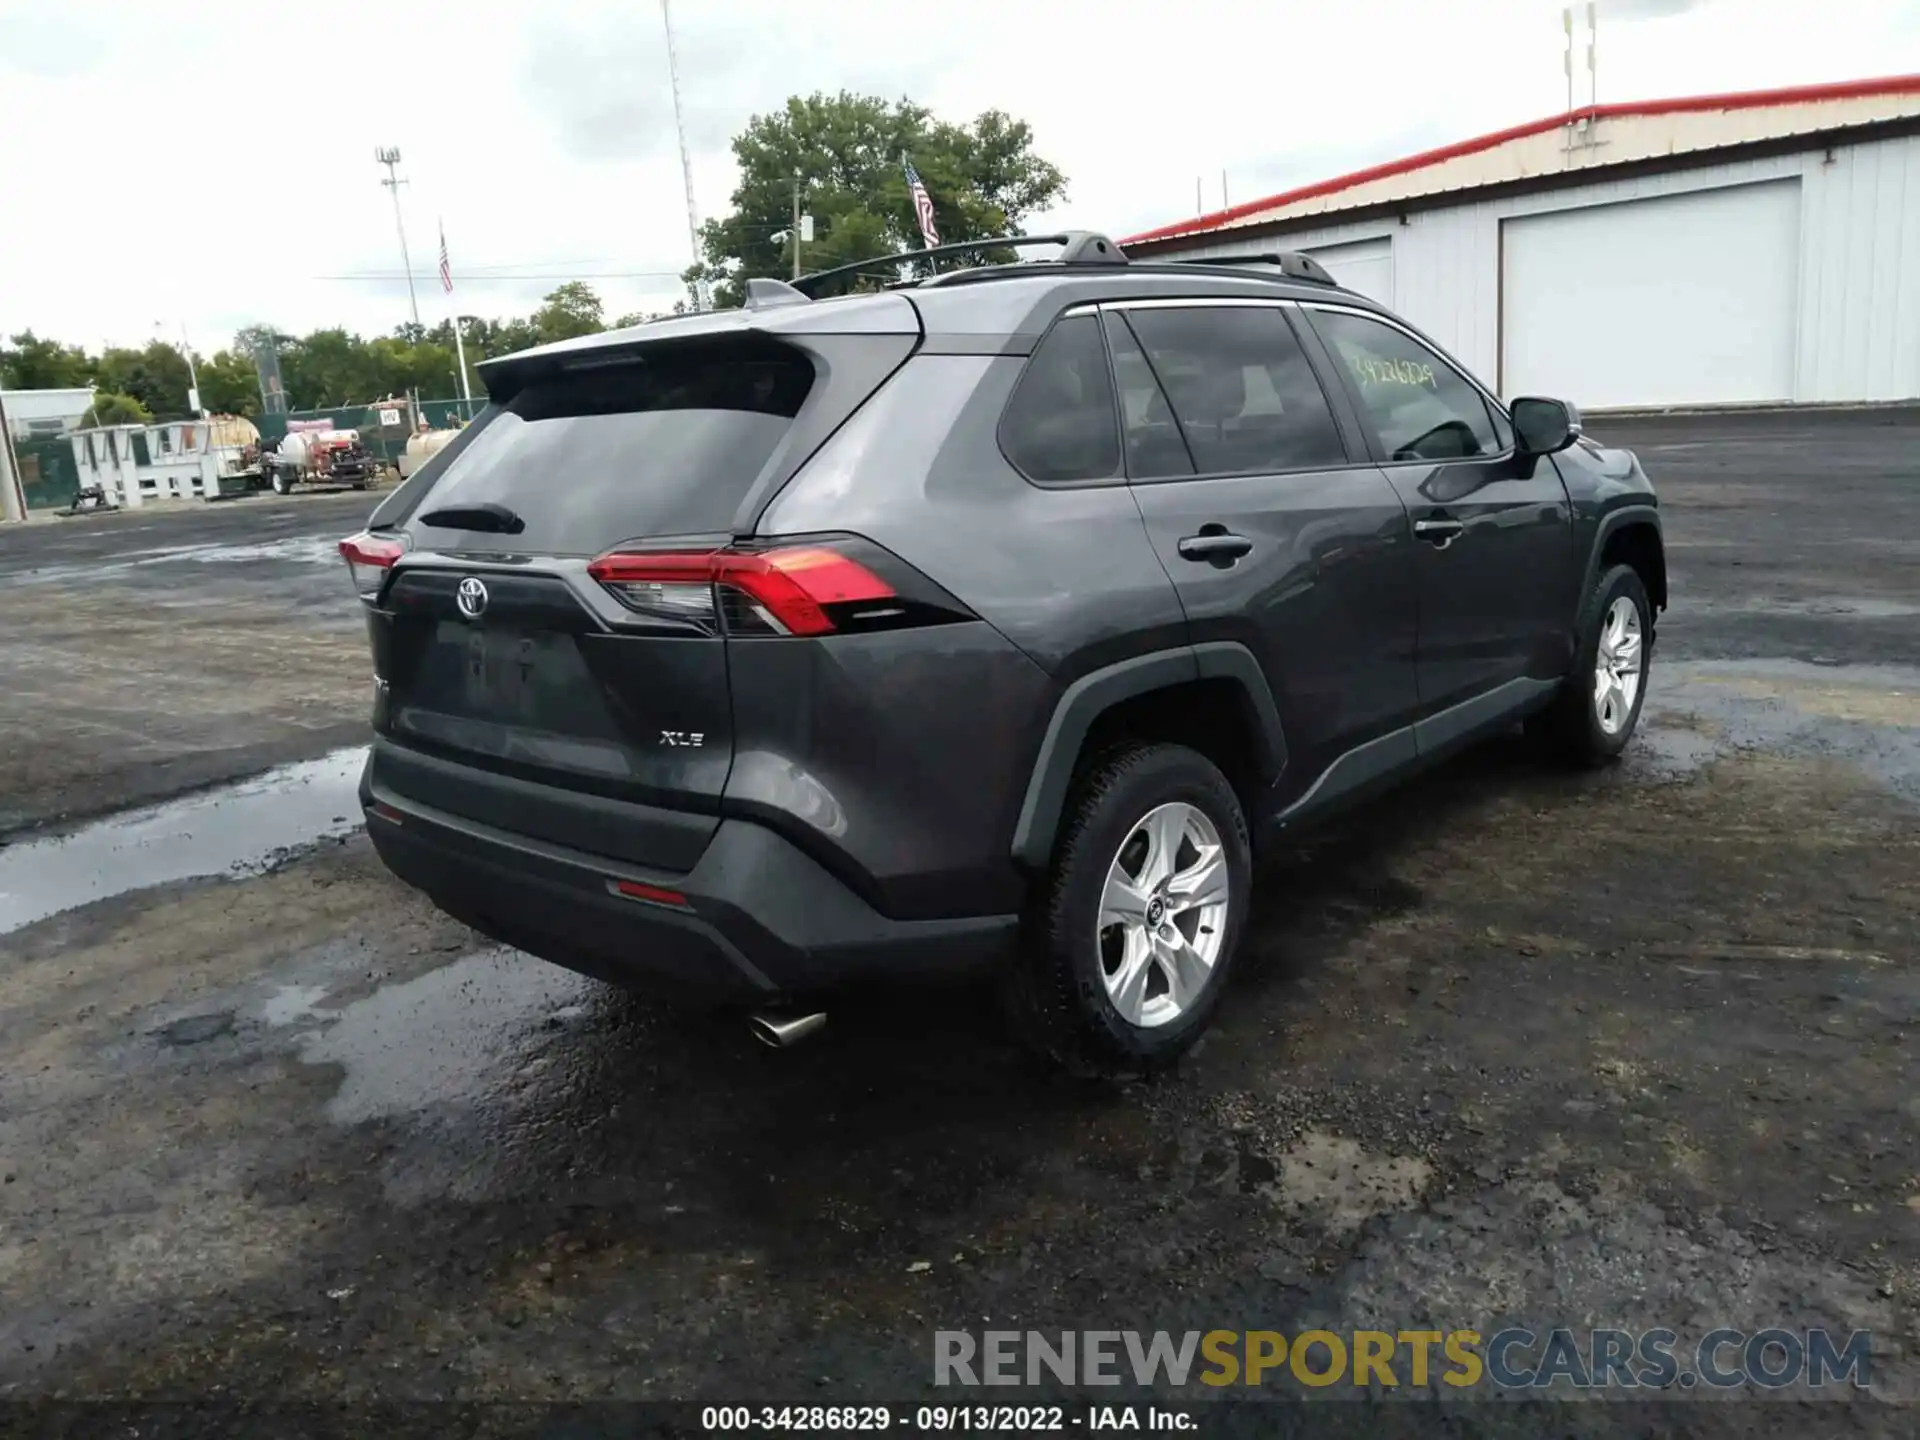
(665, 446)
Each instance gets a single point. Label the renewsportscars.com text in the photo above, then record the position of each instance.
(1508, 1359)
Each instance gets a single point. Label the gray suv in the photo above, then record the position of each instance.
(984, 624)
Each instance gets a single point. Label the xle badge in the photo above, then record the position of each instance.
(683, 739)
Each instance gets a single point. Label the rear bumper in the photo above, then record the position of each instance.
(761, 919)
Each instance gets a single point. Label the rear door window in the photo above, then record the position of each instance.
(1061, 424)
(1155, 449)
(1242, 390)
(668, 445)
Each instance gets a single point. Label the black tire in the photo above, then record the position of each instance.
(1570, 730)
(281, 485)
(1057, 994)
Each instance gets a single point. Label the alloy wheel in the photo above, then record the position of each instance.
(1163, 915)
(1617, 666)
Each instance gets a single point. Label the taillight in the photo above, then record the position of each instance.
(369, 557)
(812, 589)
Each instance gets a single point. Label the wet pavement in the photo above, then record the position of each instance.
(146, 654)
(232, 830)
(1631, 1048)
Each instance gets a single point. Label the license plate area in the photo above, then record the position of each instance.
(503, 671)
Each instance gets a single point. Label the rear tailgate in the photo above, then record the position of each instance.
(522, 692)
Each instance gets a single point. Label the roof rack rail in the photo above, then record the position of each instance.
(1078, 247)
(1296, 265)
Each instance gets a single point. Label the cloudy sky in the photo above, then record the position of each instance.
(213, 165)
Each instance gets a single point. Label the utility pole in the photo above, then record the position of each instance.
(13, 498)
(389, 156)
(796, 224)
(686, 161)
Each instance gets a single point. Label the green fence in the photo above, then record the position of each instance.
(47, 472)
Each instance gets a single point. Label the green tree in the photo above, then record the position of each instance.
(111, 408)
(229, 385)
(156, 376)
(573, 309)
(984, 180)
(30, 363)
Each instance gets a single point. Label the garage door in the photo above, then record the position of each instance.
(1364, 265)
(1684, 300)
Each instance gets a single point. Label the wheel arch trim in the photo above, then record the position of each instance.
(1620, 519)
(1093, 694)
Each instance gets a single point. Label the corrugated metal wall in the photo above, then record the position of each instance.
(1858, 334)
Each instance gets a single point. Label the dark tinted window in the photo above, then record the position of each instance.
(1419, 406)
(1154, 447)
(1241, 389)
(666, 447)
(1060, 423)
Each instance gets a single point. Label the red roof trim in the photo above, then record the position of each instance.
(1685, 104)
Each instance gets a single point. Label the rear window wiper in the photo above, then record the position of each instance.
(495, 519)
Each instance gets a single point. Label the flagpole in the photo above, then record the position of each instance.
(459, 344)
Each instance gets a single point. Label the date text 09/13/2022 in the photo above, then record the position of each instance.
(946, 1419)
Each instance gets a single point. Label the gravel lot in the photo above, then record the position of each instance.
(1630, 1049)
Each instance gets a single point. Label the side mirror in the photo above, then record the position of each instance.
(1544, 426)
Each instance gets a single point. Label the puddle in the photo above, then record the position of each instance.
(1867, 715)
(453, 1036)
(290, 1004)
(234, 829)
(458, 1054)
(298, 549)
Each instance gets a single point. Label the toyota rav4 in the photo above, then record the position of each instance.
(984, 622)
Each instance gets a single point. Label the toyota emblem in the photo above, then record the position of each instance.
(471, 597)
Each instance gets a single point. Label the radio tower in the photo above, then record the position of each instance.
(699, 287)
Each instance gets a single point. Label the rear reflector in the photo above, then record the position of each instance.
(652, 894)
(387, 812)
(791, 587)
(369, 557)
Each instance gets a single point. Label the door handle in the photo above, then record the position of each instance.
(1215, 546)
(1439, 533)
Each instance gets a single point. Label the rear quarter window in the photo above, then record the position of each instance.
(666, 445)
(1061, 424)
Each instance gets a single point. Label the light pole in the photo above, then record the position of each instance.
(389, 156)
(686, 162)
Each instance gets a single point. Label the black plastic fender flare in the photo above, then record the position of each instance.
(1093, 694)
(1611, 521)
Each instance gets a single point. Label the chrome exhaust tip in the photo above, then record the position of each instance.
(781, 1030)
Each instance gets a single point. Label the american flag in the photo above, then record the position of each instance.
(922, 204)
(446, 266)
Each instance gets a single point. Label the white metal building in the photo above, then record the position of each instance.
(45, 414)
(1714, 250)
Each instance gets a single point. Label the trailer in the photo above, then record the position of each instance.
(313, 452)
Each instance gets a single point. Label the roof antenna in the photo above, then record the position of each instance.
(1593, 55)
